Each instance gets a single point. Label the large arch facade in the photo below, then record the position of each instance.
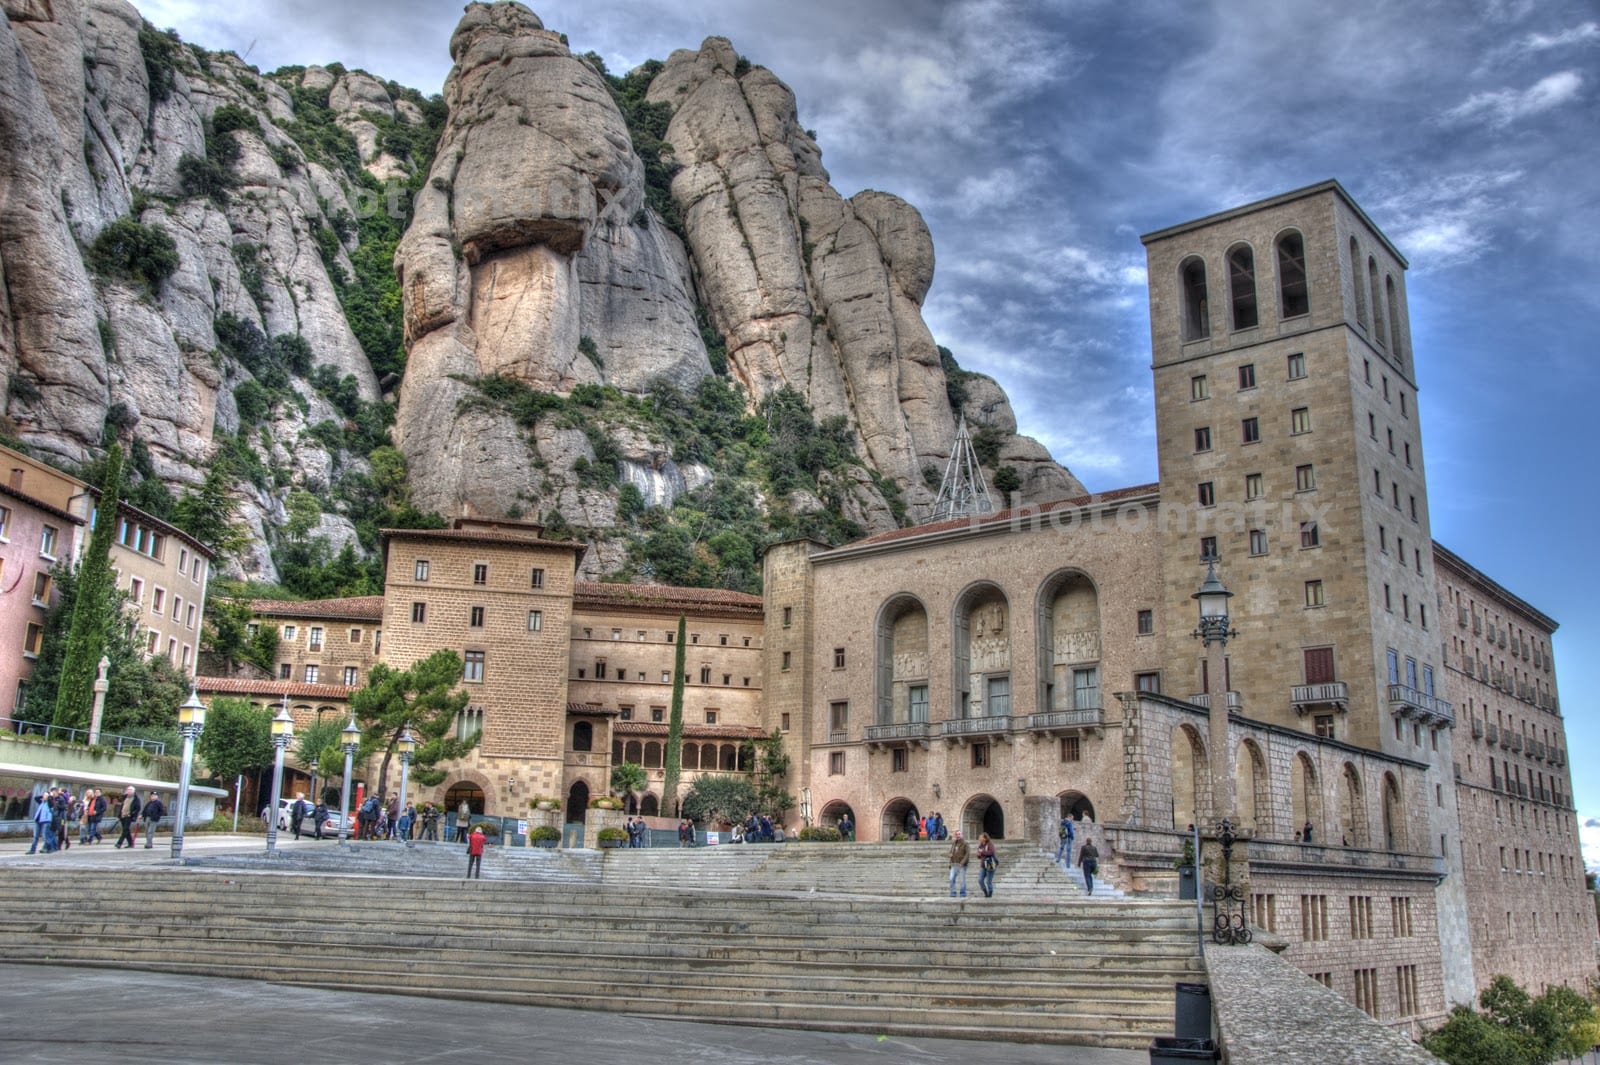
(1252, 789)
(1352, 809)
(898, 814)
(1305, 798)
(1189, 769)
(983, 813)
(900, 670)
(981, 652)
(1068, 631)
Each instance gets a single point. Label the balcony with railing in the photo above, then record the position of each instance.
(1067, 721)
(1307, 698)
(961, 729)
(1203, 699)
(1477, 728)
(1409, 702)
(1494, 735)
(1516, 742)
(899, 732)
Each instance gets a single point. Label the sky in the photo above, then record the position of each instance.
(1039, 138)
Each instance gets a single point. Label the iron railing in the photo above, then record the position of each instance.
(80, 735)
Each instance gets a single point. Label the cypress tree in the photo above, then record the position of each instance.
(93, 613)
(674, 760)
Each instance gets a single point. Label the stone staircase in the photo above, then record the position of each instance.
(732, 934)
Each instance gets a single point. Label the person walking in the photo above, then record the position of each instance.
(430, 822)
(958, 865)
(127, 814)
(59, 818)
(1089, 862)
(1065, 850)
(84, 809)
(988, 863)
(475, 843)
(101, 806)
(297, 812)
(154, 811)
(847, 828)
(463, 821)
(319, 817)
(42, 815)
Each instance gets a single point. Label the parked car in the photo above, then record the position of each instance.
(329, 827)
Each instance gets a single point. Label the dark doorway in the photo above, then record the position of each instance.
(577, 801)
(469, 791)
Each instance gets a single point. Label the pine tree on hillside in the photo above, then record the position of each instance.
(94, 612)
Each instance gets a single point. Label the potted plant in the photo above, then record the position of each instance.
(605, 802)
(611, 837)
(544, 836)
(544, 802)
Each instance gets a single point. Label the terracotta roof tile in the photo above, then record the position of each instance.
(592, 708)
(489, 536)
(1025, 513)
(357, 608)
(591, 593)
(292, 688)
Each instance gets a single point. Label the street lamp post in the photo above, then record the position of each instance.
(282, 733)
(191, 721)
(407, 747)
(1215, 630)
(315, 798)
(352, 741)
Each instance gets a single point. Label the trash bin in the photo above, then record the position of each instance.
(1191, 1016)
(1166, 1050)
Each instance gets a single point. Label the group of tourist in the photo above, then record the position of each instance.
(58, 809)
(376, 820)
(931, 827)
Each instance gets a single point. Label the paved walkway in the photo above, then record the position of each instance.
(195, 844)
(160, 1019)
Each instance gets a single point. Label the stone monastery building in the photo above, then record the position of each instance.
(1394, 727)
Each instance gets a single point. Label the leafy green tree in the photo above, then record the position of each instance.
(771, 775)
(720, 798)
(226, 633)
(304, 514)
(1006, 481)
(237, 739)
(1515, 1028)
(132, 250)
(95, 608)
(423, 697)
(323, 743)
(209, 513)
(629, 778)
(674, 756)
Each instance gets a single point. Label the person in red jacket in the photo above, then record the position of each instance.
(475, 853)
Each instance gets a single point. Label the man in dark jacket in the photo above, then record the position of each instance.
(101, 805)
(127, 814)
(154, 811)
(297, 813)
(319, 817)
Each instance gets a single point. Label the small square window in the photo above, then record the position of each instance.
(711, 717)
(1308, 534)
(1258, 541)
(419, 613)
(1305, 478)
(355, 635)
(1202, 438)
(1207, 494)
(1198, 389)
(616, 634)
(1147, 622)
(839, 717)
(722, 639)
(1247, 375)
(1314, 594)
(666, 676)
(899, 761)
(788, 616)
(1251, 430)
(836, 763)
(33, 640)
(1300, 420)
(480, 573)
(783, 722)
(658, 714)
(475, 618)
(285, 669)
(838, 658)
(47, 541)
(1372, 425)
(536, 578)
(472, 666)
(312, 672)
(625, 713)
(1253, 486)
(41, 588)
(1208, 549)
(535, 621)
(980, 755)
(420, 571)
(351, 676)
(787, 659)
(1071, 750)
(1297, 366)
(1147, 682)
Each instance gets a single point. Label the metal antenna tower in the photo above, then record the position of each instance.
(963, 492)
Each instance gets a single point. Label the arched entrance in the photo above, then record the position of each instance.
(649, 806)
(467, 790)
(577, 803)
(983, 814)
(1076, 805)
(832, 812)
(897, 815)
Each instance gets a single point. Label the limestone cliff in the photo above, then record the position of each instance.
(634, 306)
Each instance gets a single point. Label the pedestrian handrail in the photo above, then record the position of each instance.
(1199, 883)
(79, 735)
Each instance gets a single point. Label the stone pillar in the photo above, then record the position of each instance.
(1221, 759)
(1041, 818)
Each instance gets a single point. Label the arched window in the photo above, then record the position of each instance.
(652, 755)
(1305, 799)
(583, 736)
(1294, 297)
(635, 753)
(1394, 817)
(1377, 301)
(691, 756)
(1394, 315)
(1242, 287)
(616, 752)
(1355, 282)
(1196, 312)
(730, 758)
